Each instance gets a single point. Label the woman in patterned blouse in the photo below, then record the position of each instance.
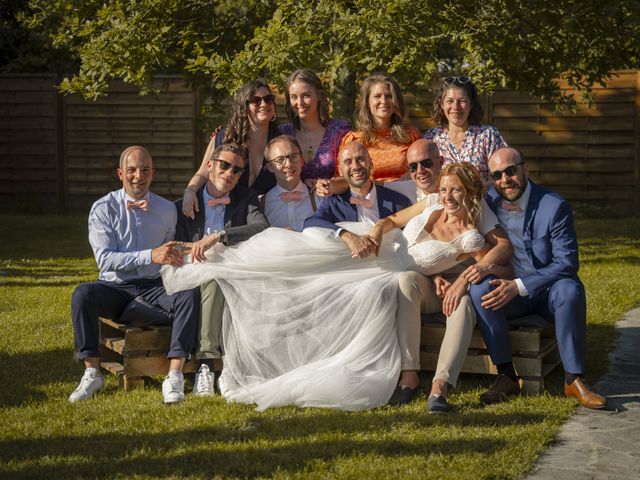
(317, 133)
(460, 136)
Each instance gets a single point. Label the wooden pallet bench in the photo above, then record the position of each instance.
(134, 352)
(533, 344)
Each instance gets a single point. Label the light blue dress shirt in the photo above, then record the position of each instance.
(213, 216)
(122, 239)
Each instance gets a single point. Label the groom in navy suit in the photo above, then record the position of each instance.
(539, 224)
(363, 202)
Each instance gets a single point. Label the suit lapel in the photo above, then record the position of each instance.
(350, 210)
(532, 209)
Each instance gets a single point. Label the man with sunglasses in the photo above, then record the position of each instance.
(131, 232)
(230, 214)
(289, 203)
(363, 202)
(545, 266)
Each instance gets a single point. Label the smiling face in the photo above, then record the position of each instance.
(263, 112)
(456, 106)
(136, 173)
(282, 164)
(355, 164)
(452, 195)
(381, 105)
(222, 181)
(510, 187)
(424, 178)
(304, 99)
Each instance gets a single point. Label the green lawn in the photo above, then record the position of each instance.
(134, 435)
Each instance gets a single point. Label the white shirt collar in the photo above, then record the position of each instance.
(301, 187)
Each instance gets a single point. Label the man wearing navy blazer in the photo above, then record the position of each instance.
(230, 214)
(539, 224)
(364, 201)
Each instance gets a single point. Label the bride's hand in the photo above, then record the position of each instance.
(202, 245)
(453, 295)
(375, 234)
(441, 286)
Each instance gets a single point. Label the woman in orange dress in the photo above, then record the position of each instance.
(380, 119)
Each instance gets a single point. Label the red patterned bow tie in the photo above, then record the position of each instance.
(141, 204)
(510, 207)
(219, 201)
(295, 196)
(365, 202)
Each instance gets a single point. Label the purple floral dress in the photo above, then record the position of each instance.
(324, 161)
(480, 141)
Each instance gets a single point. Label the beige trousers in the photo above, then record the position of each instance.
(416, 295)
(212, 307)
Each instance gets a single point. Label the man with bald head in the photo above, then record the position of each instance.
(363, 202)
(545, 270)
(131, 232)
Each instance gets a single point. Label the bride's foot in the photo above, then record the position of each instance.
(407, 389)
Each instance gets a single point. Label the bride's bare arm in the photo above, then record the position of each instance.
(190, 200)
(493, 260)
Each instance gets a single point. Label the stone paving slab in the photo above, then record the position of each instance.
(604, 444)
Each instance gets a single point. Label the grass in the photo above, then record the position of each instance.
(133, 435)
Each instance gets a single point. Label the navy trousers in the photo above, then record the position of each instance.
(563, 304)
(109, 299)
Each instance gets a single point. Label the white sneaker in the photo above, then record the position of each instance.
(90, 383)
(203, 386)
(173, 387)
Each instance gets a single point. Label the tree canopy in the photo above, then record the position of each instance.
(526, 45)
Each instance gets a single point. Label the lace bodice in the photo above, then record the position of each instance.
(429, 256)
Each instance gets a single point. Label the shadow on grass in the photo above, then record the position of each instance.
(23, 373)
(270, 446)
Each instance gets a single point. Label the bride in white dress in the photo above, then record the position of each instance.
(308, 325)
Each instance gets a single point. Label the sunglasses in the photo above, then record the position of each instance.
(224, 166)
(509, 171)
(413, 166)
(281, 160)
(456, 80)
(256, 100)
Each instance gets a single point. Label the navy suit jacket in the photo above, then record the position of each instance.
(549, 238)
(242, 217)
(337, 208)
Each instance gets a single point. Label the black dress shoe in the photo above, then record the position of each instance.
(437, 404)
(403, 395)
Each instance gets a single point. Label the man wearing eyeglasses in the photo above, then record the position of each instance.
(230, 215)
(363, 202)
(545, 266)
(289, 203)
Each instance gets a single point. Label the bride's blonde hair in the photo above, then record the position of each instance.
(473, 186)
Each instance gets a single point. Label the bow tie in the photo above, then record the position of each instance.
(365, 202)
(294, 196)
(219, 201)
(141, 204)
(510, 207)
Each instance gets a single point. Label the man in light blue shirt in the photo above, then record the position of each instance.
(131, 232)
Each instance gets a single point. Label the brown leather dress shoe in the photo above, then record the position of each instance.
(587, 397)
(500, 389)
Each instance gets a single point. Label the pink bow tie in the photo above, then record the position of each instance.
(141, 204)
(219, 201)
(365, 202)
(510, 207)
(295, 196)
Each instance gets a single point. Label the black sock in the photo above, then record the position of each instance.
(570, 377)
(508, 370)
(208, 362)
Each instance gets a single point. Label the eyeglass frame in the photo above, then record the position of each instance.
(282, 159)
(256, 100)
(235, 170)
(497, 174)
(412, 167)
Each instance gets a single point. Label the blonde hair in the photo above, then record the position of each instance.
(364, 121)
(472, 184)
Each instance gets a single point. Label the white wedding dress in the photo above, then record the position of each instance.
(308, 325)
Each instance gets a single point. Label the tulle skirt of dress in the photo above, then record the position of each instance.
(305, 323)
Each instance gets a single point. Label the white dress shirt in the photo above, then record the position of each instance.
(122, 239)
(513, 223)
(290, 214)
(365, 214)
